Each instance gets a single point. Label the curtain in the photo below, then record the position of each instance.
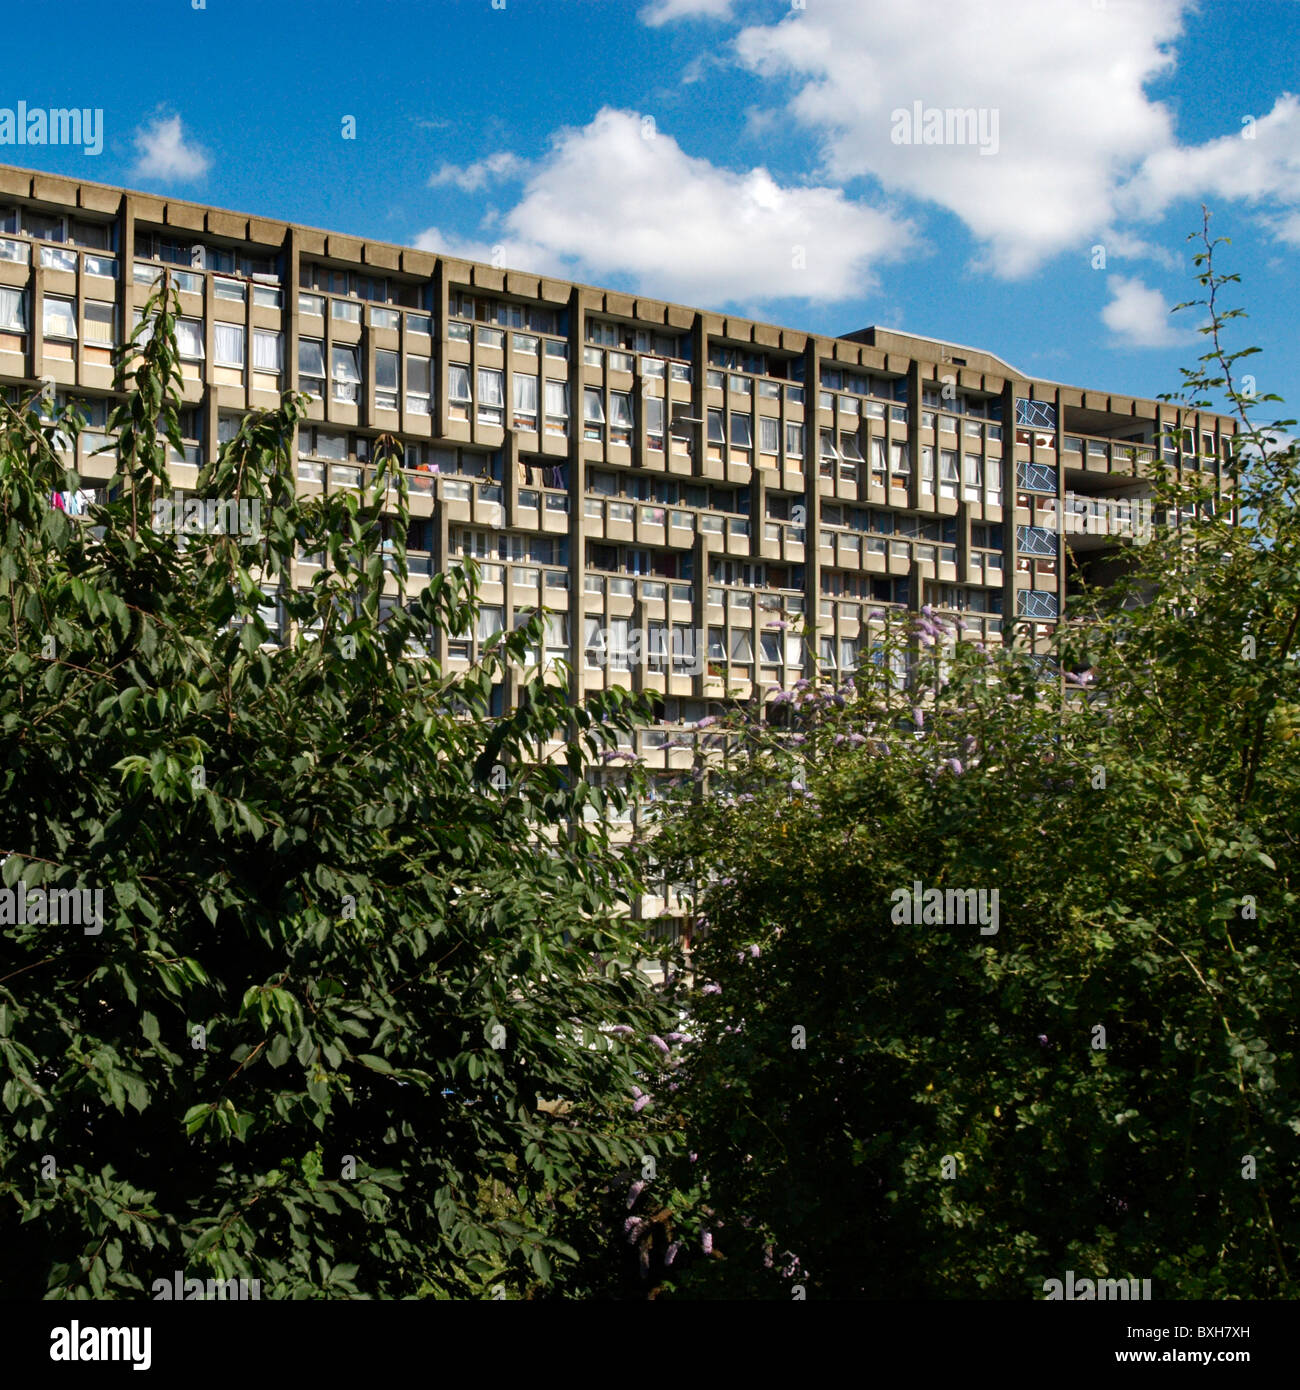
(189, 338)
(525, 389)
(458, 383)
(228, 344)
(13, 309)
(268, 352)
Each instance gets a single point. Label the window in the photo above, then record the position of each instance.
(899, 462)
(557, 407)
(100, 322)
(742, 645)
(268, 352)
(16, 251)
(849, 447)
(794, 440)
(346, 373)
(58, 258)
(593, 413)
(311, 366)
(948, 475)
(974, 477)
(927, 470)
(387, 366)
(311, 304)
(458, 385)
(716, 433)
(491, 396)
(228, 345)
(618, 644)
(490, 622)
(620, 417)
(346, 310)
(769, 434)
(525, 389)
(742, 434)
(43, 226)
(419, 385)
(60, 317)
(654, 422)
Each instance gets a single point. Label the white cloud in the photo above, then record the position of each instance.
(1258, 165)
(666, 11)
(470, 178)
(1065, 84)
(165, 153)
(1139, 317)
(619, 199)
(1116, 241)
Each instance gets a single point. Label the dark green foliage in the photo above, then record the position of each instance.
(956, 1125)
(310, 868)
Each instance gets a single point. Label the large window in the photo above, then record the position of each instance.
(268, 354)
(189, 339)
(621, 422)
(100, 322)
(794, 440)
(557, 407)
(491, 397)
(419, 385)
(654, 422)
(345, 370)
(458, 392)
(228, 345)
(769, 434)
(387, 366)
(525, 391)
(742, 434)
(60, 317)
(311, 366)
(593, 414)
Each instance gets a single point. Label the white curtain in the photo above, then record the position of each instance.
(525, 393)
(458, 383)
(228, 344)
(189, 338)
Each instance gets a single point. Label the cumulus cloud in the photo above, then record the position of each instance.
(660, 12)
(470, 178)
(1065, 86)
(165, 153)
(1258, 165)
(620, 200)
(1139, 316)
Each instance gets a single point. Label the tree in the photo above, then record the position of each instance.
(345, 1028)
(1088, 1063)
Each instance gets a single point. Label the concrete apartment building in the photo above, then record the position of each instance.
(636, 466)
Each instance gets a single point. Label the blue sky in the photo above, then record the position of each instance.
(745, 154)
